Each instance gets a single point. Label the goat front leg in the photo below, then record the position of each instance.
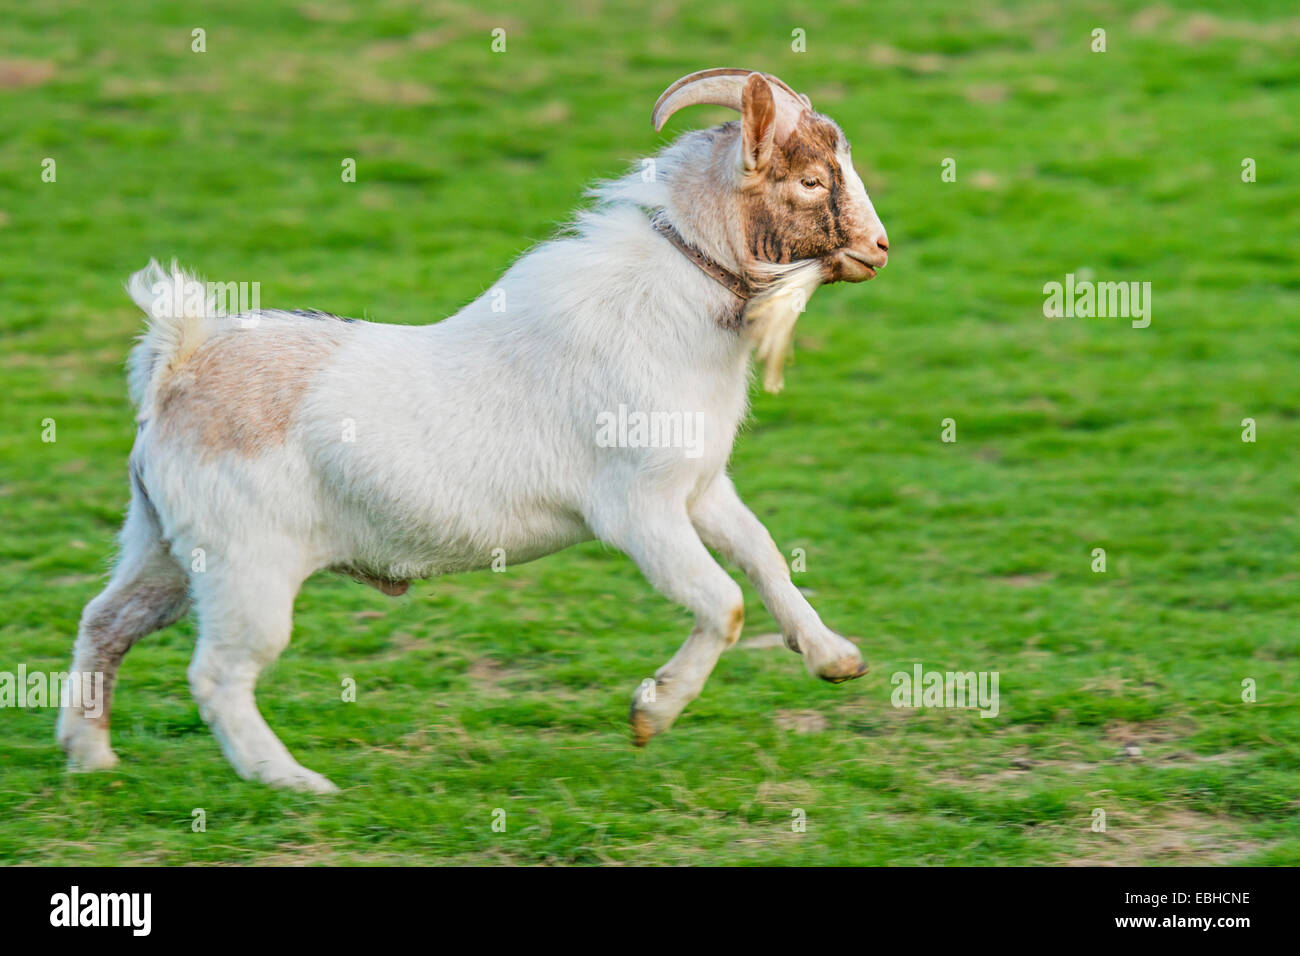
(730, 528)
(659, 537)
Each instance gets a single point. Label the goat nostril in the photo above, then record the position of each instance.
(883, 244)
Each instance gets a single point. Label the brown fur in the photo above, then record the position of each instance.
(782, 222)
(735, 623)
(642, 727)
(240, 389)
(113, 622)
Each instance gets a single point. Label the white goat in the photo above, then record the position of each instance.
(278, 444)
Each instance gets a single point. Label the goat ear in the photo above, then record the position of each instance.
(758, 123)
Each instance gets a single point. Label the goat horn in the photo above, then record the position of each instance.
(717, 87)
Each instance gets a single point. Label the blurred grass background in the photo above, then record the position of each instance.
(1119, 691)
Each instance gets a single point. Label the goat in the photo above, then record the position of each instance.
(278, 444)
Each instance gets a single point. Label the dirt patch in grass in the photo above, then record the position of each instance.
(490, 676)
(17, 74)
(1134, 739)
(801, 721)
(1025, 580)
(1175, 838)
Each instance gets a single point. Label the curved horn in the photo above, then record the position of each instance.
(718, 87)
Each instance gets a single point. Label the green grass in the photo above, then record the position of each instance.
(510, 691)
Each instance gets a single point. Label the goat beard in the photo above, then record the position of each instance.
(771, 314)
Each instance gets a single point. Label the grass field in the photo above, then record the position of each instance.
(1120, 691)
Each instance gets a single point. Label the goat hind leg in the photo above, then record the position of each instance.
(147, 592)
(245, 619)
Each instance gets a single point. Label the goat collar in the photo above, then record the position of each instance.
(734, 283)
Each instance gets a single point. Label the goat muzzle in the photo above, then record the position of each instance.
(855, 265)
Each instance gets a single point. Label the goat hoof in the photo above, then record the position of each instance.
(92, 761)
(294, 777)
(845, 669)
(642, 728)
(86, 745)
(648, 721)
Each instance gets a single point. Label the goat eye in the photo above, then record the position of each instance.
(810, 183)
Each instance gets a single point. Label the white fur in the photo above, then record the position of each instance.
(473, 436)
(170, 333)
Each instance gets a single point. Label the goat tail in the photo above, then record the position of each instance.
(771, 315)
(178, 309)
